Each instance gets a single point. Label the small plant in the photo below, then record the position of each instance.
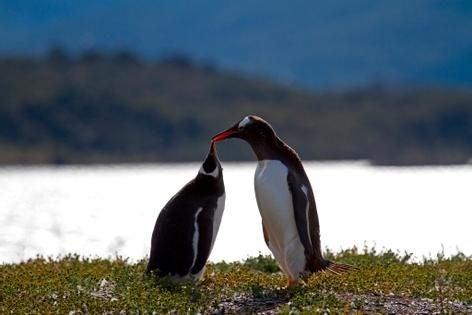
(264, 263)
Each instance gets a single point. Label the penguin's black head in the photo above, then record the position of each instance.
(211, 166)
(251, 128)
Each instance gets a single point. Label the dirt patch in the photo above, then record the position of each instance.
(246, 304)
(391, 304)
(366, 304)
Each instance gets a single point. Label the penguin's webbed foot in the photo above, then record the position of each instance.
(292, 283)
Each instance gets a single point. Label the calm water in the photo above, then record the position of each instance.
(109, 210)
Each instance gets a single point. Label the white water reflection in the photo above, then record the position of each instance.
(108, 210)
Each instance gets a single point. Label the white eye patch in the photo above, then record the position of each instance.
(244, 122)
(214, 173)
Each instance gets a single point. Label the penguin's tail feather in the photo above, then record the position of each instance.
(338, 268)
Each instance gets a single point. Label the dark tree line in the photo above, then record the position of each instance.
(115, 107)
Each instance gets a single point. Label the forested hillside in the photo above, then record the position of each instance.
(98, 108)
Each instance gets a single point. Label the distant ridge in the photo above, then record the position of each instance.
(116, 108)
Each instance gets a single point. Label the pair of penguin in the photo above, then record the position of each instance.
(186, 228)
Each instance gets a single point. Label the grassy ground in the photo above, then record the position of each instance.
(385, 283)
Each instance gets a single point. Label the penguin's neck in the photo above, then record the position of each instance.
(269, 150)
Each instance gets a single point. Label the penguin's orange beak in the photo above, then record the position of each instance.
(230, 133)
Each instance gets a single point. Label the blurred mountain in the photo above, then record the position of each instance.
(316, 44)
(102, 108)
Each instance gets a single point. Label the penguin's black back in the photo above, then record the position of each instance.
(172, 241)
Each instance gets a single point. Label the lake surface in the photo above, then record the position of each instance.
(111, 210)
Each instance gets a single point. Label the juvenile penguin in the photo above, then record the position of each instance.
(286, 201)
(186, 228)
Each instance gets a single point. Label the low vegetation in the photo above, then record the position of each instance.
(386, 282)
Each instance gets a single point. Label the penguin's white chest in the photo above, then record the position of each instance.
(275, 204)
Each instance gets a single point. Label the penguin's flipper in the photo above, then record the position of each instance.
(303, 212)
(301, 208)
(205, 234)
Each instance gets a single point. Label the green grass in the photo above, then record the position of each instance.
(94, 286)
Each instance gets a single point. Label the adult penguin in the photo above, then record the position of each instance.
(186, 228)
(286, 201)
